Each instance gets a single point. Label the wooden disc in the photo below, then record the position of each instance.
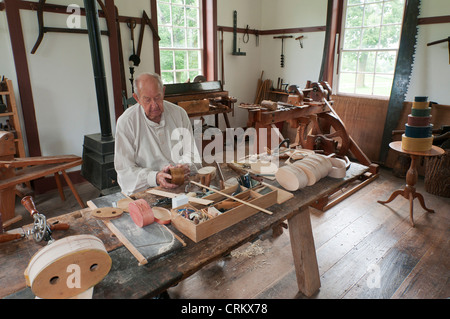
(420, 112)
(107, 213)
(417, 144)
(123, 203)
(421, 105)
(419, 121)
(419, 131)
(291, 178)
(309, 170)
(68, 267)
(162, 215)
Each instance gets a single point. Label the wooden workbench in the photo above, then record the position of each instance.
(127, 280)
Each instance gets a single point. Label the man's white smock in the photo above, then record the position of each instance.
(143, 148)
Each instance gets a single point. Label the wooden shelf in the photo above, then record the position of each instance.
(8, 92)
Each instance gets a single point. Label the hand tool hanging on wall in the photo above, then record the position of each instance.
(300, 40)
(282, 46)
(441, 41)
(134, 60)
(402, 75)
(43, 29)
(236, 51)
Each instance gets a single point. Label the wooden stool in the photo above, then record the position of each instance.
(409, 192)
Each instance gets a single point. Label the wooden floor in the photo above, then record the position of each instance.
(364, 250)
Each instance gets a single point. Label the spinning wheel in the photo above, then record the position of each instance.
(325, 132)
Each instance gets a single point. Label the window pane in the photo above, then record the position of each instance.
(383, 85)
(372, 14)
(164, 13)
(351, 2)
(180, 60)
(167, 77)
(192, 3)
(166, 60)
(181, 77)
(354, 16)
(166, 37)
(366, 62)
(364, 83)
(393, 11)
(386, 62)
(347, 82)
(352, 39)
(178, 16)
(349, 61)
(178, 1)
(370, 38)
(192, 38)
(390, 37)
(192, 17)
(193, 74)
(179, 37)
(194, 59)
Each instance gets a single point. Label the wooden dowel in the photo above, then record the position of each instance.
(232, 197)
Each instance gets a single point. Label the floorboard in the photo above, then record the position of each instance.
(365, 250)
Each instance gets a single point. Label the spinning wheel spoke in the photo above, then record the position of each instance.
(324, 132)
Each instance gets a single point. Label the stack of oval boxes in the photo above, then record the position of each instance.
(418, 135)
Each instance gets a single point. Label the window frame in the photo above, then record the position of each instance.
(341, 50)
(186, 49)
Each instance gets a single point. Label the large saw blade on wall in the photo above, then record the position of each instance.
(403, 70)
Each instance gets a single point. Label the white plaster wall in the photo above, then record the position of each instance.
(431, 69)
(241, 72)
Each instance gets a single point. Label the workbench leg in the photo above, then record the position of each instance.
(304, 252)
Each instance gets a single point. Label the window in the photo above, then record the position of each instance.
(369, 46)
(181, 49)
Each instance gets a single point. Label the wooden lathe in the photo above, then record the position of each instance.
(318, 126)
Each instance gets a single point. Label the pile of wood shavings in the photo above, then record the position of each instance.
(252, 250)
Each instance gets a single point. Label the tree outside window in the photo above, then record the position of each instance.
(179, 26)
(369, 46)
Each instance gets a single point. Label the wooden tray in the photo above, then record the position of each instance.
(214, 225)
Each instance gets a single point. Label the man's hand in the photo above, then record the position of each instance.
(164, 175)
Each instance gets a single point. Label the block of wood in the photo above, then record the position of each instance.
(197, 106)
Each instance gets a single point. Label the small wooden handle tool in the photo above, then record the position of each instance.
(232, 197)
(4, 238)
(28, 203)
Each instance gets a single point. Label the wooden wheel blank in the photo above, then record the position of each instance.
(107, 213)
(68, 267)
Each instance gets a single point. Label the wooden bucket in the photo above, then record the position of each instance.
(437, 175)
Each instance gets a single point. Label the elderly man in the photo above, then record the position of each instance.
(148, 139)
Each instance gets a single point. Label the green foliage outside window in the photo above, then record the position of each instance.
(370, 45)
(180, 46)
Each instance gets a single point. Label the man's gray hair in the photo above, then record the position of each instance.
(146, 75)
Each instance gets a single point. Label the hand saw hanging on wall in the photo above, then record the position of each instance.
(403, 70)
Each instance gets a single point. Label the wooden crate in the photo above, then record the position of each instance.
(216, 224)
